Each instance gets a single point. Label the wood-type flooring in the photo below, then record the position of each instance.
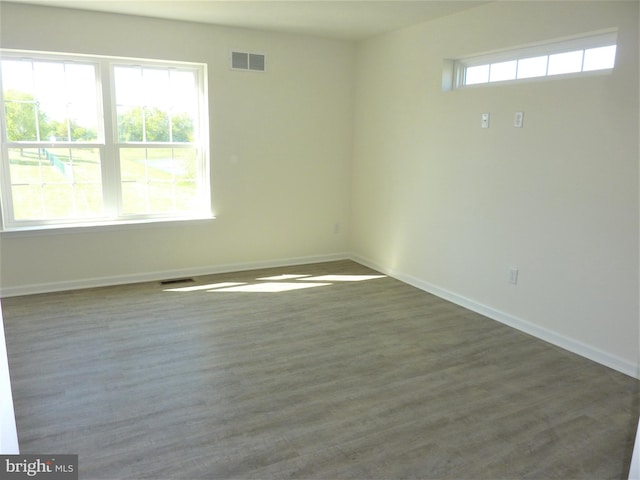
(350, 378)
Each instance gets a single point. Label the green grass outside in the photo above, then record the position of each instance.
(154, 181)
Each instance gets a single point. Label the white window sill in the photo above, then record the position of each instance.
(98, 226)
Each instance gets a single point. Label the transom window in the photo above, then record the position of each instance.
(585, 54)
(89, 140)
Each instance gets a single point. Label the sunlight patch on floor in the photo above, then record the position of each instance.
(271, 287)
(283, 277)
(277, 283)
(344, 278)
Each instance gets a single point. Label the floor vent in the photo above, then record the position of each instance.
(248, 61)
(176, 280)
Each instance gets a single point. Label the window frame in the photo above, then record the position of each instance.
(583, 43)
(109, 146)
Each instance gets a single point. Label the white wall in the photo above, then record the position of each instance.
(280, 148)
(449, 207)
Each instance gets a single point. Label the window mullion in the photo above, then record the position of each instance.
(110, 164)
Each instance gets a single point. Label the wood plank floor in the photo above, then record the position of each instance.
(369, 379)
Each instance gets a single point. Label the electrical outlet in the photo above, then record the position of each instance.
(518, 119)
(485, 120)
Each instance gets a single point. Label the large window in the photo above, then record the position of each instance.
(580, 55)
(90, 140)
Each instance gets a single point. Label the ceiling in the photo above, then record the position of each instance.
(348, 20)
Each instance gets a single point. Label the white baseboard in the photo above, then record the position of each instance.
(555, 338)
(51, 287)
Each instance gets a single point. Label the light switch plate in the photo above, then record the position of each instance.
(485, 120)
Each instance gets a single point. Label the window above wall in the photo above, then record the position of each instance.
(589, 53)
(101, 140)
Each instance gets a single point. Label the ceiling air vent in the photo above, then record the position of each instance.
(247, 61)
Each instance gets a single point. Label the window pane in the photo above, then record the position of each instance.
(50, 82)
(82, 105)
(185, 163)
(475, 75)
(130, 124)
(156, 88)
(53, 124)
(27, 202)
(183, 91)
(503, 71)
(158, 180)
(50, 183)
(184, 103)
(18, 75)
(569, 62)
(157, 125)
(599, 58)
(50, 101)
(156, 104)
(129, 83)
(88, 199)
(182, 129)
(25, 166)
(133, 164)
(532, 67)
(20, 113)
(58, 200)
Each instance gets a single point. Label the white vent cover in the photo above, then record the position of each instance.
(247, 61)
